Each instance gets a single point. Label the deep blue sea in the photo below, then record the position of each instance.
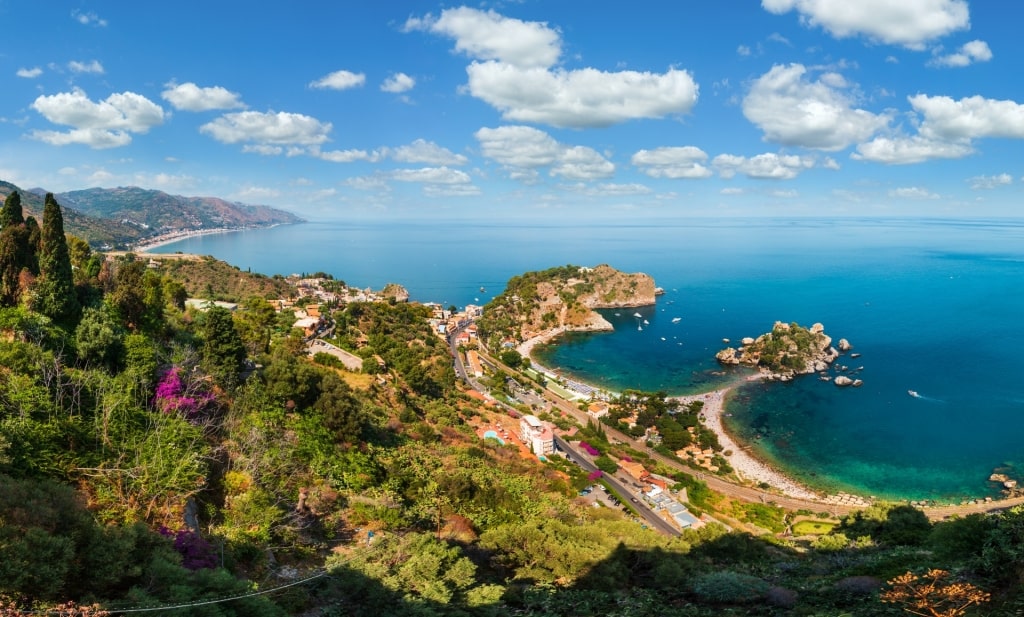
(933, 306)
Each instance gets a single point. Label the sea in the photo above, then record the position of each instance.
(933, 309)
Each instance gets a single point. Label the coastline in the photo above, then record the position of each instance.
(177, 236)
(747, 466)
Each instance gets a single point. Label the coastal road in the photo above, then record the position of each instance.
(653, 520)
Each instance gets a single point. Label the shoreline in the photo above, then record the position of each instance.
(177, 236)
(746, 465)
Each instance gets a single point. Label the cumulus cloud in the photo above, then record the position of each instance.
(904, 150)
(909, 23)
(795, 111)
(398, 83)
(339, 80)
(767, 166)
(31, 73)
(523, 149)
(431, 175)
(267, 133)
(190, 97)
(990, 182)
(103, 124)
(512, 71)
(423, 151)
(912, 192)
(581, 98)
(968, 54)
(673, 162)
(487, 35)
(969, 118)
(93, 66)
(344, 156)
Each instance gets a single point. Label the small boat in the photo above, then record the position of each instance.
(647, 323)
(639, 328)
(482, 290)
(618, 314)
(913, 393)
(637, 315)
(676, 319)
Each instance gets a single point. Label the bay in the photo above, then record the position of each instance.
(932, 305)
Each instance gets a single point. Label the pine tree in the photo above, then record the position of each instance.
(54, 295)
(223, 351)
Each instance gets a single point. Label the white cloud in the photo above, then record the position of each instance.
(580, 98)
(257, 194)
(512, 71)
(794, 111)
(610, 189)
(743, 50)
(582, 163)
(367, 183)
(767, 166)
(86, 67)
(910, 23)
(340, 80)
(787, 194)
(487, 35)
(31, 73)
(88, 19)
(106, 124)
(523, 148)
(731, 190)
(345, 156)
(830, 163)
(268, 129)
(969, 53)
(990, 182)
(190, 97)
(431, 175)
(969, 118)
(912, 192)
(450, 190)
(398, 83)
(422, 151)
(673, 162)
(903, 150)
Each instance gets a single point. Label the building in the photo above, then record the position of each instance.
(473, 360)
(597, 409)
(537, 435)
(634, 469)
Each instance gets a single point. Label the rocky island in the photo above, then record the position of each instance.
(561, 299)
(787, 351)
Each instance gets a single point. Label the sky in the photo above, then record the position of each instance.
(532, 110)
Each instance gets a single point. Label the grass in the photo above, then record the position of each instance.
(812, 528)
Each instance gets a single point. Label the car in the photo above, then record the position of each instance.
(633, 499)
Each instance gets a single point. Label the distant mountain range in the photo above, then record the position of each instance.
(120, 217)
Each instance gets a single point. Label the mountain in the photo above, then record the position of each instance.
(122, 216)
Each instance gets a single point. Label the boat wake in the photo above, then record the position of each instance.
(917, 395)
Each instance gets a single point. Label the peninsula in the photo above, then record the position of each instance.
(545, 303)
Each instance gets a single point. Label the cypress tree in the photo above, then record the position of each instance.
(11, 213)
(55, 292)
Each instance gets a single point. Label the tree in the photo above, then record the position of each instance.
(54, 294)
(11, 213)
(98, 339)
(223, 351)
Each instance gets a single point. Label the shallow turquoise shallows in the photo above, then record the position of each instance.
(932, 306)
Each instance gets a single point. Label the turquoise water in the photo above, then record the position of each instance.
(933, 306)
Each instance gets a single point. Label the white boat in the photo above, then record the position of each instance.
(676, 319)
(637, 315)
(646, 323)
(913, 393)
(639, 328)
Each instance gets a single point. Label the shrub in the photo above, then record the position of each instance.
(730, 587)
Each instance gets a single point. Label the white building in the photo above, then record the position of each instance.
(537, 435)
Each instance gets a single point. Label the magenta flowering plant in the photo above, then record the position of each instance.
(589, 449)
(594, 475)
(176, 395)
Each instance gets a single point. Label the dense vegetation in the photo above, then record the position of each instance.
(151, 454)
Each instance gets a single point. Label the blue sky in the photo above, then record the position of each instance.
(534, 110)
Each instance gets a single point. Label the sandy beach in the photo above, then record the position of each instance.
(177, 236)
(746, 466)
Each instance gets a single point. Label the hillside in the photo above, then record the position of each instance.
(563, 297)
(122, 216)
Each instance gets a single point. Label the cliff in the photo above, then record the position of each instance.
(563, 297)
